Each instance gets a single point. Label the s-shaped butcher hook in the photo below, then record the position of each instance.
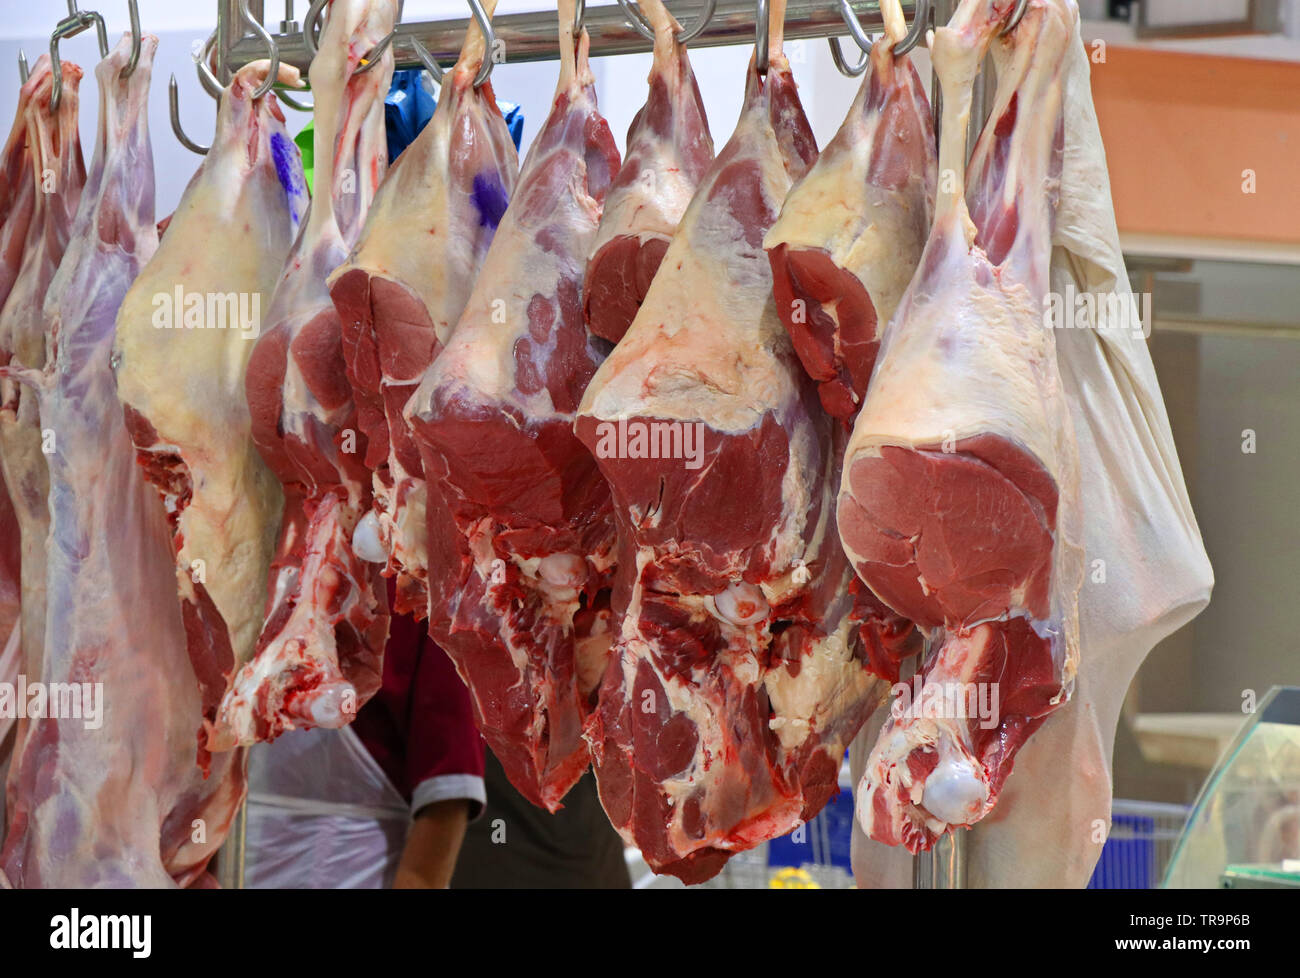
(860, 37)
(210, 83)
(642, 26)
(311, 33)
(82, 20)
(489, 42)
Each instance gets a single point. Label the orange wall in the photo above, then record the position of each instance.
(1180, 129)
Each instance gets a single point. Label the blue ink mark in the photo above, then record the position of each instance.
(288, 167)
(490, 198)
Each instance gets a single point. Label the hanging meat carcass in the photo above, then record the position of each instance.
(113, 798)
(319, 656)
(55, 175)
(851, 232)
(738, 675)
(404, 286)
(960, 502)
(1156, 573)
(184, 336)
(668, 151)
(17, 194)
(17, 201)
(520, 531)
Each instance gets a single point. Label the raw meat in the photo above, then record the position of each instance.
(55, 184)
(122, 804)
(738, 674)
(17, 200)
(851, 232)
(184, 335)
(668, 151)
(960, 501)
(320, 652)
(521, 535)
(17, 193)
(1138, 526)
(404, 286)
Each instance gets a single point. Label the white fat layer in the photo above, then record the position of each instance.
(189, 382)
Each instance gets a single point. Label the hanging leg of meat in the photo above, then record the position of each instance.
(1044, 829)
(738, 673)
(404, 286)
(113, 799)
(319, 656)
(668, 151)
(851, 232)
(57, 182)
(18, 192)
(184, 336)
(960, 501)
(17, 201)
(521, 535)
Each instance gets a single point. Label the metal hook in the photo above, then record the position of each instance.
(292, 102)
(844, 68)
(1016, 16)
(920, 21)
(133, 12)
(860, 38)
(173, 100)
(373, 56)
(310, 25)
(274, 70)
(311, 36)
(489, 41)
(579, 17)
(642, 26)
(761, 36)
(426, 59)
(72, 25)
(23, 71)
(206, 78)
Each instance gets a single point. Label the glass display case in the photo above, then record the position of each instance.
(1244, 830)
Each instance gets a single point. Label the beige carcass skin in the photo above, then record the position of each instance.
(1049, 826)
(968, 357)
(851, 232)
(669, 149)
(320, 651)
(180, 373)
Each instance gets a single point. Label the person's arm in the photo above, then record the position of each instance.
(444, 766)
(432, 846)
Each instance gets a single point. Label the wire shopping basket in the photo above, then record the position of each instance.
(1141, 841)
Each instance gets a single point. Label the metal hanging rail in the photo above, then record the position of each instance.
(532, 36)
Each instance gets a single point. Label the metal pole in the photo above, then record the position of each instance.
(982, 94)
(532, 36)
(230, 858)
(944, 866)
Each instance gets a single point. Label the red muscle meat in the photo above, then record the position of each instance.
(521, 535)
(959, 505)
(739, 673)
(112, 798)
(319, 656)
(402, 289)
(668, 151)
(851, 232)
